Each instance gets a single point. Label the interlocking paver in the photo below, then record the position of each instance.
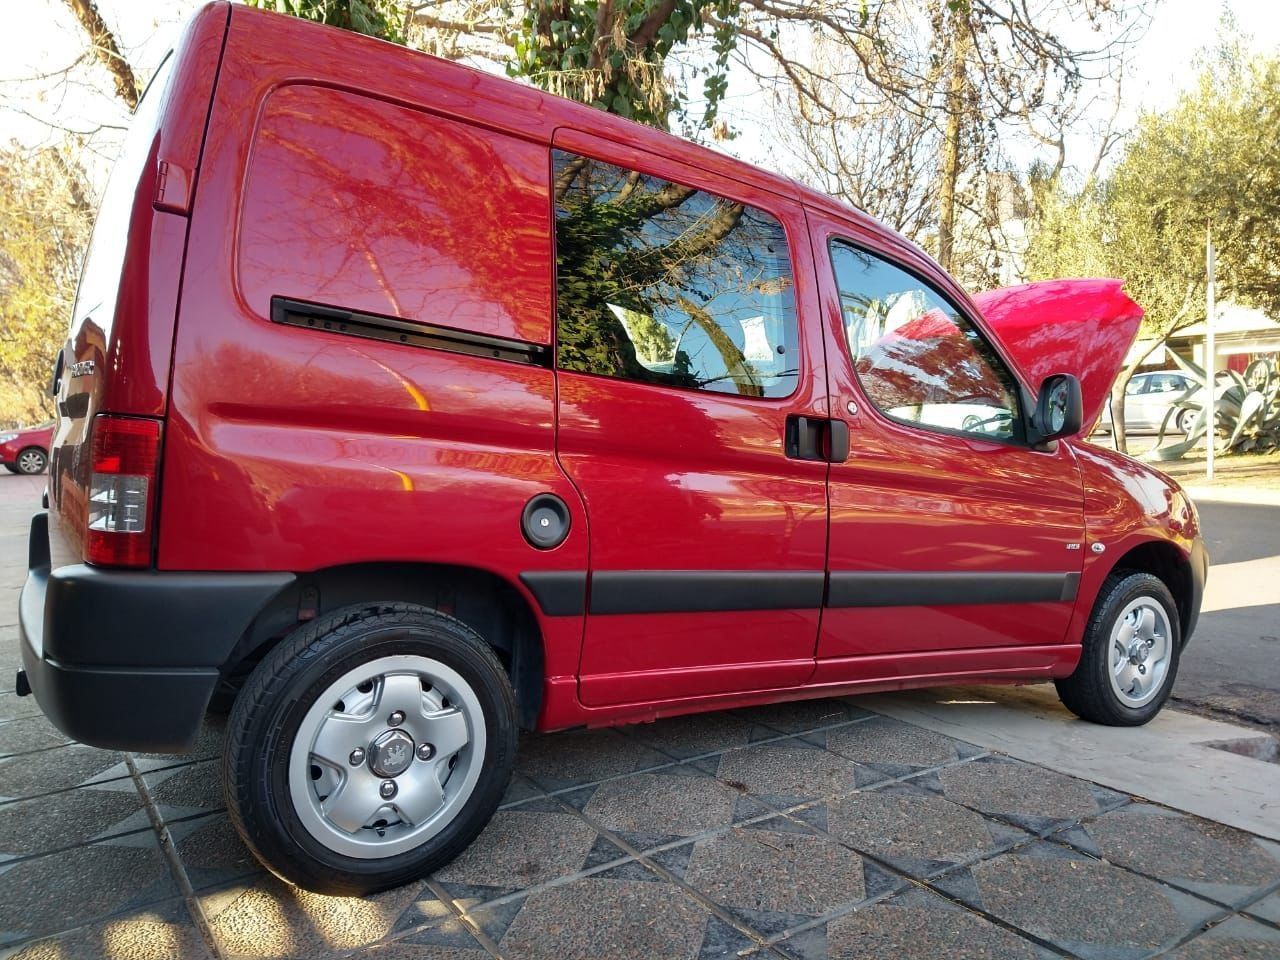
(1206, 858)
(42, 824)
(787, 770)
(161, 931)
(1086, 906)
(1235, 939)
(59, 768)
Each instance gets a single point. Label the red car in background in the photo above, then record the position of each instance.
(26, 450)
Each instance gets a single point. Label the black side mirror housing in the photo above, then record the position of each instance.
(1059, 410)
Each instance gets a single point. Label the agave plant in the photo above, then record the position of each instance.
(1246, 410)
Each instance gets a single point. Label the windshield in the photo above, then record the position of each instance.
(100, 276)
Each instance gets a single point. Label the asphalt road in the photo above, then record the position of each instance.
(1232, 666)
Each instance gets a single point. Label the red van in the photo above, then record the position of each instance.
(411, 407)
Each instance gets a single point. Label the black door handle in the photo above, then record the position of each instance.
(817, 438)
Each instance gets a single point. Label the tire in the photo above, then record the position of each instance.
(31, 461)
(286, 748)
(1131, 608)
(1184, 421)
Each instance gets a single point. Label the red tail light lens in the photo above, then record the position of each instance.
(126, 454)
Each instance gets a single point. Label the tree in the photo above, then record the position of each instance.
(385, 19)
(105, 48)
(44, 226)
(1202, 162)
(902, 110)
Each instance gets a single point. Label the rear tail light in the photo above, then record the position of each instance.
(126, 453)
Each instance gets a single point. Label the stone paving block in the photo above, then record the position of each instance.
(776, 881)
(786, 772)
(914, 925)
(1237, 938)
(80, 886)
(42, 824)
(1032, 797)
(700, 733)
(915, 830)
(60, 768)
(197, 786)
(162, 931)
(519, 848)
(1090, 908)
(28, 734)
(594, 917)
(211, 851)
(268, 919)
(14, 707)
(662, 803)
(572, 758)
(446, 939)
(1206, 858)
(895, 747)
(1268, 908)
(798, 716)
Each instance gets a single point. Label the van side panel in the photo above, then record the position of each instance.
(382, 209)
(300, 448)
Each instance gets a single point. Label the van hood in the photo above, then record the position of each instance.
(1083, 327)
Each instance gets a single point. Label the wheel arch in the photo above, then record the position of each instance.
(1172, 567)
(490, 605)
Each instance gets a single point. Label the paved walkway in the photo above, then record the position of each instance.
(807, 830)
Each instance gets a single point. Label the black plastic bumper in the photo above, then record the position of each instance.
(1199, 576)
(129, 659)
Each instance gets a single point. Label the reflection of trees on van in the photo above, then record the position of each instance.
(666, 284)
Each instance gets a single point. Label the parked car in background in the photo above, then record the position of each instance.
(1147, 400)
(411, 407)
(26, 450)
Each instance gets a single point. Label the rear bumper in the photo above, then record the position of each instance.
(129, 659)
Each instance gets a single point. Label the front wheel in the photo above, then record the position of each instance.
(1130, 653)
(369, 748)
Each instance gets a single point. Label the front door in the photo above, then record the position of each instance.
(680, 360)
(948, 532)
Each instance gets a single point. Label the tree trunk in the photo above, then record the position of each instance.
(107, 50)
(950, 174)
(1118, 432)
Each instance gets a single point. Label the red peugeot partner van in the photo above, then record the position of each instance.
(412, 407)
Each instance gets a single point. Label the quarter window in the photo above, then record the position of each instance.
(919, 360)
(665, 284)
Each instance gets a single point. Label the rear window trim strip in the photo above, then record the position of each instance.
(370, 326)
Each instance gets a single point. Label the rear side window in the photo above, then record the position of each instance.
(666, 284)
(919, 360)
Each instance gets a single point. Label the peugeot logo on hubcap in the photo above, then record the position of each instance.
(391, 754)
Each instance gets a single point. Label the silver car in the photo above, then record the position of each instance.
(1147, 400)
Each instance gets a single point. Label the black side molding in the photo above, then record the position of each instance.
(560, 593)
(316, 316)
(850, 589)
(704, 591)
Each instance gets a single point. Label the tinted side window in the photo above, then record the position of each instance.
(666, 284)
(917, 357)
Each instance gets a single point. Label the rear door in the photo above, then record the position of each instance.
(681, 363)
(950, 537)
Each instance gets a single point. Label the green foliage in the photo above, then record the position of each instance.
(44, 226)
(611, 53)
(1211, 158)
(375, 18)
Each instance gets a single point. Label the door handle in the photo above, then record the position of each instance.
(817, 438)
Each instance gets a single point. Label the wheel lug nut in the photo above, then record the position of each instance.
(357, 757)
(426, 751)
(396, 718)
(387, 789)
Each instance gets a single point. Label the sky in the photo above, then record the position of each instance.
(43, 38)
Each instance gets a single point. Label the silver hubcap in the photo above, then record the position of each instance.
(31, 462)
(387, 756)
(1140, 648)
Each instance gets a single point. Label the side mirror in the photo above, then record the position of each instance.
(1059, 409)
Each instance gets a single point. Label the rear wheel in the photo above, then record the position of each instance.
(31, 461)
(1130, 653)
(369, 748)
(1186, 419)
